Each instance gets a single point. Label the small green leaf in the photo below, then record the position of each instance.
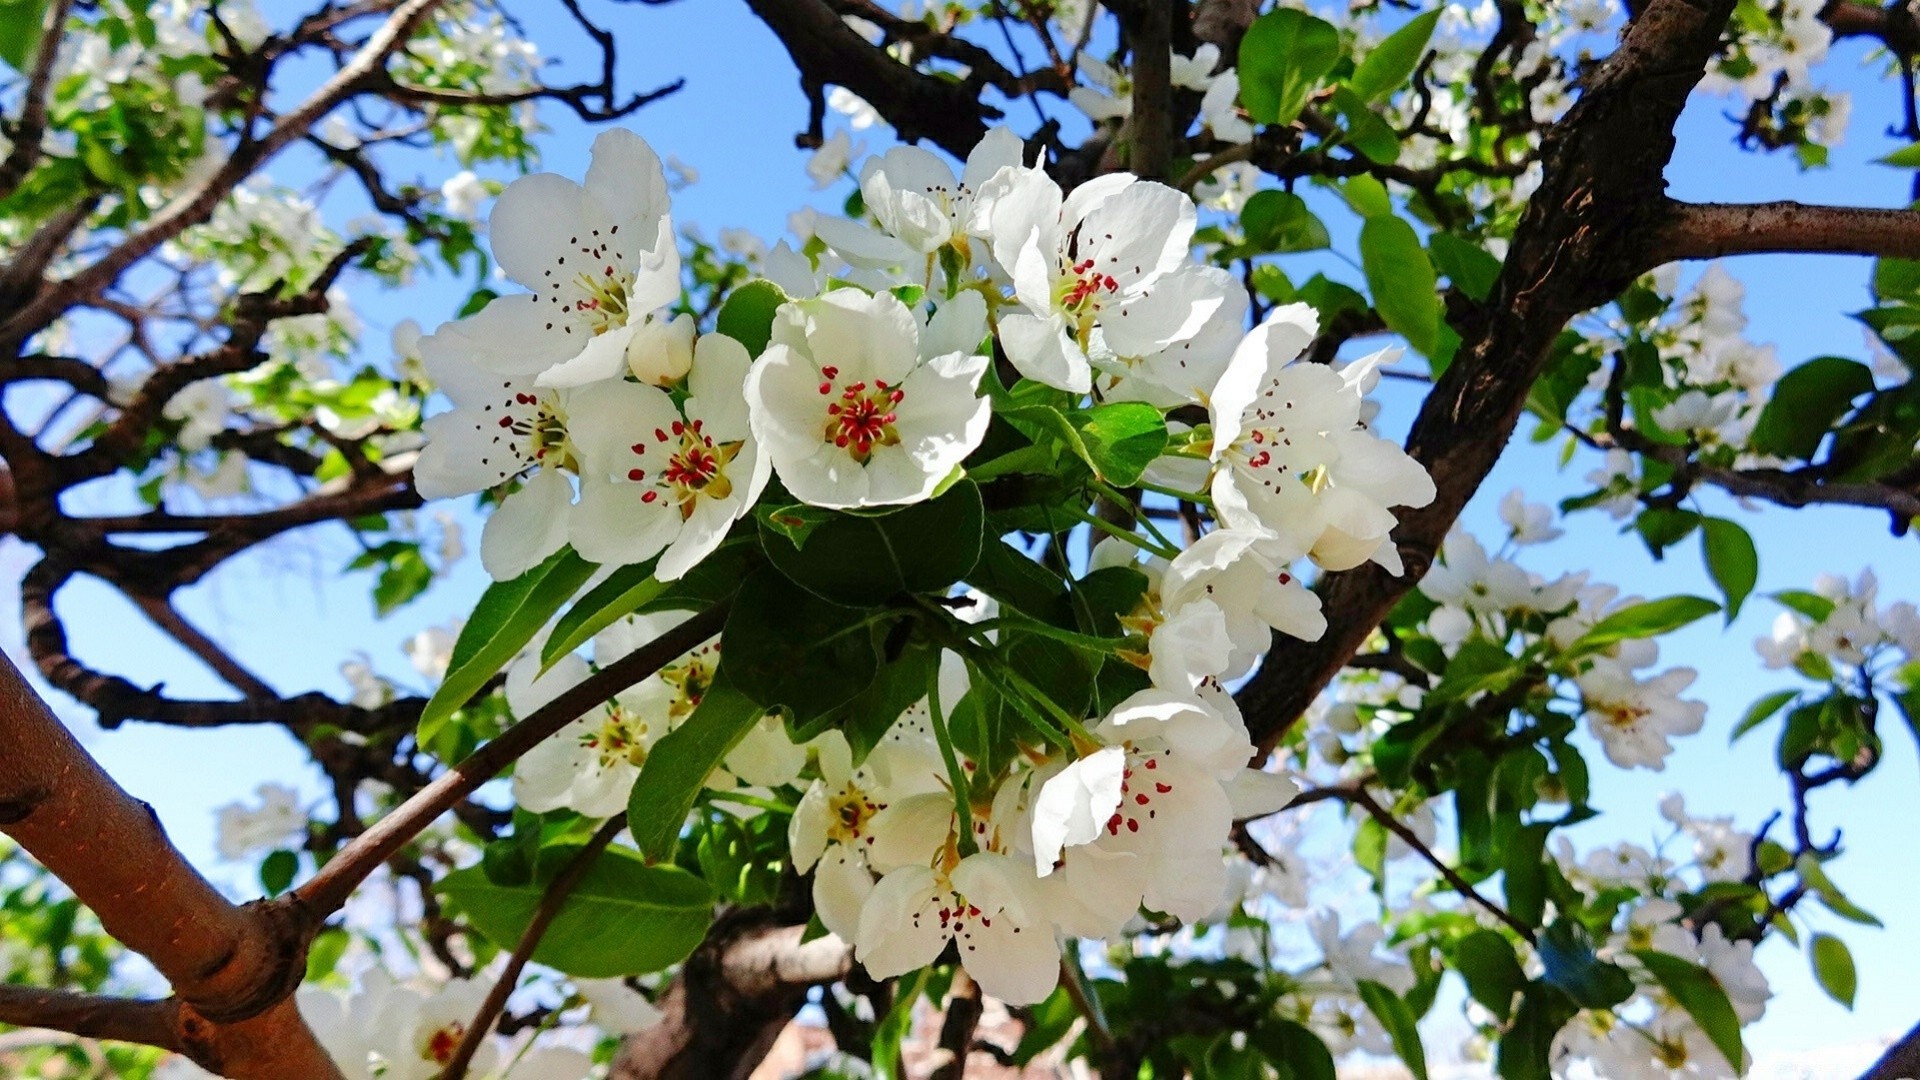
(1907, 157)
(747, 314)
(1398, 1019)
(623, 918)
(325, 952)
(678, 765)
(865, 559)
(1526, 1047)
(277, 871)
(1807, 403)
(1279, 221)
(508, 615)
(1368, 197)
(1812, 605)
(1702, 996)
(1122, 439)
(22, 22)
(1662, 527)
(1366, 130)
(795, 521)
(784, 647)
(1391, 63)
(1731, 559)
(1829, 894)
(624, 591)
(1487, 962)
(1283, 58)
(1471, 268)
(1404, 288)
(1644, 620)
(1833, 966)
(1761, 711)
(1566, 954)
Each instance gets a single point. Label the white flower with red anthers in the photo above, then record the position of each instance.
(1247, 574)
(501, 428)
(1086, 260)
(920, 206)
(1291, 453)
(833, 825)
(857, 404)
(1141, 820)
(1633, 719)
(661, 478)
(987, 904)
(598, 259)
(1180, 372)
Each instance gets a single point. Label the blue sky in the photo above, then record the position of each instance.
(289, 617)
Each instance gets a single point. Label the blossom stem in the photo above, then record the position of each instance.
(962, 795)
(1119, 533)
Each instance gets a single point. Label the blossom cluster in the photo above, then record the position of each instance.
(614, 424)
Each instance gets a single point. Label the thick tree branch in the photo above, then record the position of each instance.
(1586, 233)
(151, 1023)
(229, 966)
(1711, 230)
(1901, 1061)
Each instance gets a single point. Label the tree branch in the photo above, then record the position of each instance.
(551, 902)
(327, 890)
(32, 125)
(151, 1023)
(1711, 230)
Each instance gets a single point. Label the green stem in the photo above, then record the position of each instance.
(1117, 532)
(962, 801)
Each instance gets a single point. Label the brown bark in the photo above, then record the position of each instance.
(1711, 230)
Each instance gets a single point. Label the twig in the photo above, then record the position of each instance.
(551, 902)
(1359, 797)
(327, 890)
(32, 125)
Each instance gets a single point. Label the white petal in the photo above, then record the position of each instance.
(1042, 351)
(509, 336)
(1256, 793)
(614, 526)
(627, 181)
(603, 358)
(841, 885)
(1075, 804)
(899, 928)
(528, 526)
(1268, 348)
(533, 225)
(910, 831)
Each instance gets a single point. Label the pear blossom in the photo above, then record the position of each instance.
(667, 479)
(598, 257)
(830, 159)
(857, 404)
(1245, 572)
(617, 1007)
(1530, 523)
(1092, 258)
(1220, 109)
(201, 408)
(920, 206)
(1195, 72)
(1111, 95)
(987, 905)
(463, 193)
(1291, 454)
(1634, 719)
(430, 652)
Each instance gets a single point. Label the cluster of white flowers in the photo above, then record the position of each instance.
(1773, 57)
(621, 430)
(1855, 633)
(241, 830)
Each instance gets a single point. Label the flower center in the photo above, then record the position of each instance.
(537, 422)
(620, 737)
(442, 1043)
(695, 468)
(849, 810)
(1083, 289)
(690, 679)
(863, 416)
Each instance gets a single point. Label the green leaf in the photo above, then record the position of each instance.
(1526, 1047)
(1121, 439)
(1731, 559)
(1701, 995)
(1470, 267)
(1760, 711)
(1366, 130)
(1907, 157)
(747, 314)
(1525, 876)
(1807, 403)
(1567, 957)
(679, 764)
(623, 918)
(508, 615)
(784, 647)
(1402, 281)
(1808, 867)
(865, 559)
(1368, 197)
(1283, 59)
(277, 871)
(1833, 967)
(1279, 221)
(21, 24)
(1391, 62)
(1487, 962)
(1662, 527)
(1295, 1047)
(795, 521)
(1398, 1019)
(624, 591)
(325, 952)
(1812, 605)
(1644, 620)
